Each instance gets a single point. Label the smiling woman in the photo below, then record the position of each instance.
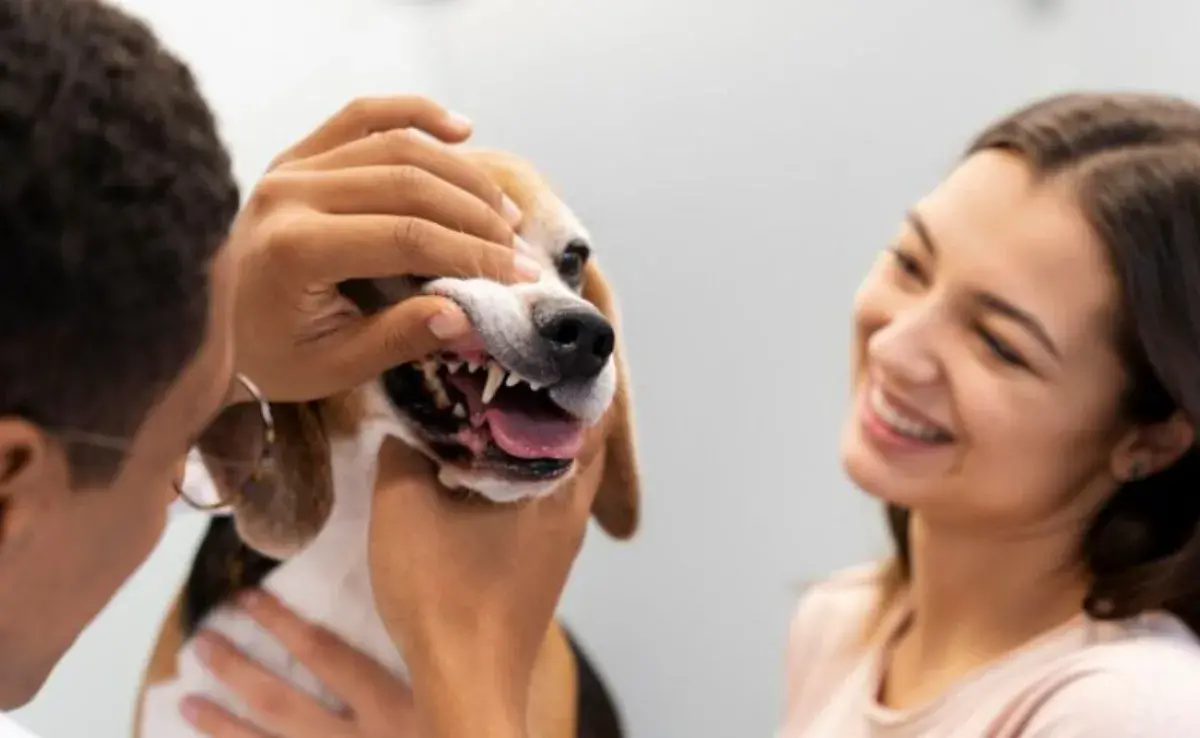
(1024, 405)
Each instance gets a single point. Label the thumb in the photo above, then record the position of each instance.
(409, 331)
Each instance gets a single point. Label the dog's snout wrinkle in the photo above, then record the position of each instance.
(578, 337)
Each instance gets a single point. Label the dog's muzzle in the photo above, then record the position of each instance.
(514, 399)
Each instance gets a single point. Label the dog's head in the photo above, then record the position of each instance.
(539, 389)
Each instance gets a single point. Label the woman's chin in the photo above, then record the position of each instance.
(878, 478)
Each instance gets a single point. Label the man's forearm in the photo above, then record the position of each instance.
(456, 699)
(480, 716)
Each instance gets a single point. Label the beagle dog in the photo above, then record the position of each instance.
(537, 393)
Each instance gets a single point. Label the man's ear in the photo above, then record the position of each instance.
(28, 465)
(618, 500)
(1149, 449)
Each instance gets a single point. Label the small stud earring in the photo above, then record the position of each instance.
(1135, 472)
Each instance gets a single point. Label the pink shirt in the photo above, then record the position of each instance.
(1086, 679)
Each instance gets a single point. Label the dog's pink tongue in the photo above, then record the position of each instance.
(533, 435)
(523, 432)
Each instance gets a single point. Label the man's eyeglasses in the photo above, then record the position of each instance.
(235, 448)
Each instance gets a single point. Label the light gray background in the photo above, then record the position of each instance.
(739, 163)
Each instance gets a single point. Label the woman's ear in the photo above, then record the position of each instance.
(1149, 449)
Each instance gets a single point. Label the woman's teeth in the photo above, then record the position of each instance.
(901, 423)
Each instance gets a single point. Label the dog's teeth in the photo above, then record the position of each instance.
(472, 366)
(494, 379)
(513, 380)
(459, 410)
(434, 384)
(535, 386)
(454, 366)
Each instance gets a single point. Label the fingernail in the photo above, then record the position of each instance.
(449, 324)
(527, 268)
(510, 211)
(459, 120)
(204, 644)
(250, 598)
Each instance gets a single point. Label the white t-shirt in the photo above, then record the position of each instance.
(9, 729)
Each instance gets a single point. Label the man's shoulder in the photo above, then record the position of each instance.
(10, 729)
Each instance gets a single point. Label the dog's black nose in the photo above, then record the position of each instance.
(579, 340)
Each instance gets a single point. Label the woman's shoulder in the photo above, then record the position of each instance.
(1142, 682)
(827, 633)
(849, 594)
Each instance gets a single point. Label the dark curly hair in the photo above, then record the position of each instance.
(115, 193)
(1134, 160)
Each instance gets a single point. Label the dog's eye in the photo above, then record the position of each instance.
(573, 260)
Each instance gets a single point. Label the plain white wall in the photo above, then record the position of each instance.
(740, 164)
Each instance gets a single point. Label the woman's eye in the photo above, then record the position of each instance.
(1002, 350)
(907, 264)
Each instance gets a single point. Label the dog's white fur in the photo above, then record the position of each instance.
(327, 581)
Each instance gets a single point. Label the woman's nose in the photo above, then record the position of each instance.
(902, 349)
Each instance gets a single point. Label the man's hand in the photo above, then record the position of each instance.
(364, 196)
(378, 705)
(468, 589)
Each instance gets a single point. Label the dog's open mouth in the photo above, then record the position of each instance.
(476, 414)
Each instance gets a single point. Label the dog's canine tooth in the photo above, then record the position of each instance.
(459, 410)
(434, 384)
(494, 379)
(513, 380)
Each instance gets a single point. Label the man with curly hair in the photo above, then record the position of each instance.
(137, 301)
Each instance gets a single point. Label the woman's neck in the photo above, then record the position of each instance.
(974, 598)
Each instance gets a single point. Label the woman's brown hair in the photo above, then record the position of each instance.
(1134, 162)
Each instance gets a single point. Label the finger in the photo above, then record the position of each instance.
(367, 115)
(328, 249)
(402, 147)
(357, 679)
(215, 721)
(409, 331)
(402, 190)
(281, 706)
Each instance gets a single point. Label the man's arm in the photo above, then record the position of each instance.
(454, 703)
(468, 591)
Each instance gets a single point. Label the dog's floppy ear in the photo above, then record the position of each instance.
(285, 506)
(618, 500)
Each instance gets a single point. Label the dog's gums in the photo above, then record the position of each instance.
(475, 413)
